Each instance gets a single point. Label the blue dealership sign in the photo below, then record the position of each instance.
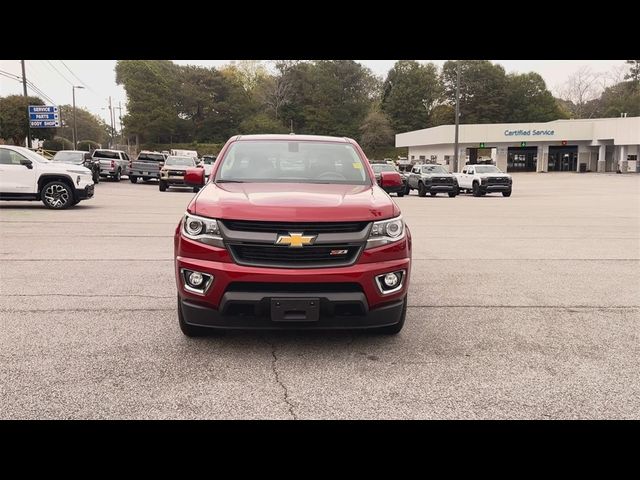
(44, 116)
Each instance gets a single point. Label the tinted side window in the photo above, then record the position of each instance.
(9, 157)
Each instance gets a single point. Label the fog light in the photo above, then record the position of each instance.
(196, 279)
(196, 282)
(390, 280)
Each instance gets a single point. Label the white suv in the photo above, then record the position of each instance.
(26, 175)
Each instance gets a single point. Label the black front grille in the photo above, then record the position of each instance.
(497, 180)
(276, 227)
(441, 180)
(176, 172)
(287, 257)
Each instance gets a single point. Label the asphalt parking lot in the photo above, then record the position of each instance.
(525, 307)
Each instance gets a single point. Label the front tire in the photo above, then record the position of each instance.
(400, 194)
(422, 191)
(395, 328)
(96, 178)
(57, 195)
(163, 186)
(133, 179)
(453, 194)
(506, 194)
(476, 189)
(433, 194)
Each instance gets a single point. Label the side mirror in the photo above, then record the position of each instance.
(27, 163)
(194, 177)
(390, 179)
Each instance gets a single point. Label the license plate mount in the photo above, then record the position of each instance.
(295, 309)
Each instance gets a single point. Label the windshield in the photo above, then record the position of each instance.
(105, 154)
(68, 157)
(433, 169)
(152, 157)
(382, 167)
(487, 169)
(182, 161)
(208, 160)
(289, 161)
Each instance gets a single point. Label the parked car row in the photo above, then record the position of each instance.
(432, 179)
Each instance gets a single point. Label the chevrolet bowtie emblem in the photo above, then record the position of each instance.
(296, 240)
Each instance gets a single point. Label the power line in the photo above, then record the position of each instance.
(31, 84)
(54, 67)
(77, 78)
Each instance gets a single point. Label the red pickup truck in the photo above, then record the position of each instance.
(291, 231)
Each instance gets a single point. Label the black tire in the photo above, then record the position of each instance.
(407, 190)
(433, 194)
(146, 179)
(453, 194)
(96, 178)
(133, 179)
(400, 194)
(476, 189)
(192, 330)
(118, 176)
(395, 328)
(163, 186)
(422, 191)
(506, 194)
(57, 195)
(196, 189)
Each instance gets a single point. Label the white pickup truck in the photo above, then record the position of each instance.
(483, 179)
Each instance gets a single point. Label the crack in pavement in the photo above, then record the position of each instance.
(276, 374)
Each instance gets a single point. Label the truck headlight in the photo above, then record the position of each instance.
(386, 231)
(202, 229)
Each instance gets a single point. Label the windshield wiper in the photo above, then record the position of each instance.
(228, 181)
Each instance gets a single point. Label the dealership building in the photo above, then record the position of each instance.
(594, 145)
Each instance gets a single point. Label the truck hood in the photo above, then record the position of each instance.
(293, 202)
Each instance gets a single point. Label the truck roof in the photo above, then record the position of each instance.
(292, 137)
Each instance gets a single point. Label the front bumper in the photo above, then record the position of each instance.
(495, 188)
(445, 188)
(338, 310)
(173, 180)
(85, 193)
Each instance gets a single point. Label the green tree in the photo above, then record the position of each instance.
(151, 87)
(623, 97)
(89, 126)
(634, 71)
(261, 123)
(376, 131)
(14, 122)
(409, 95)
(528, 100)
(341, 95)
(482, 90)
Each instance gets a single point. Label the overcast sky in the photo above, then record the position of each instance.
(55, 77)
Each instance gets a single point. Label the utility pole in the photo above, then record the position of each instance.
(24, 89)
(75, 131)
(111, 118)
(455, 155)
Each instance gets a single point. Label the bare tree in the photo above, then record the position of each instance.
(581, 88)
